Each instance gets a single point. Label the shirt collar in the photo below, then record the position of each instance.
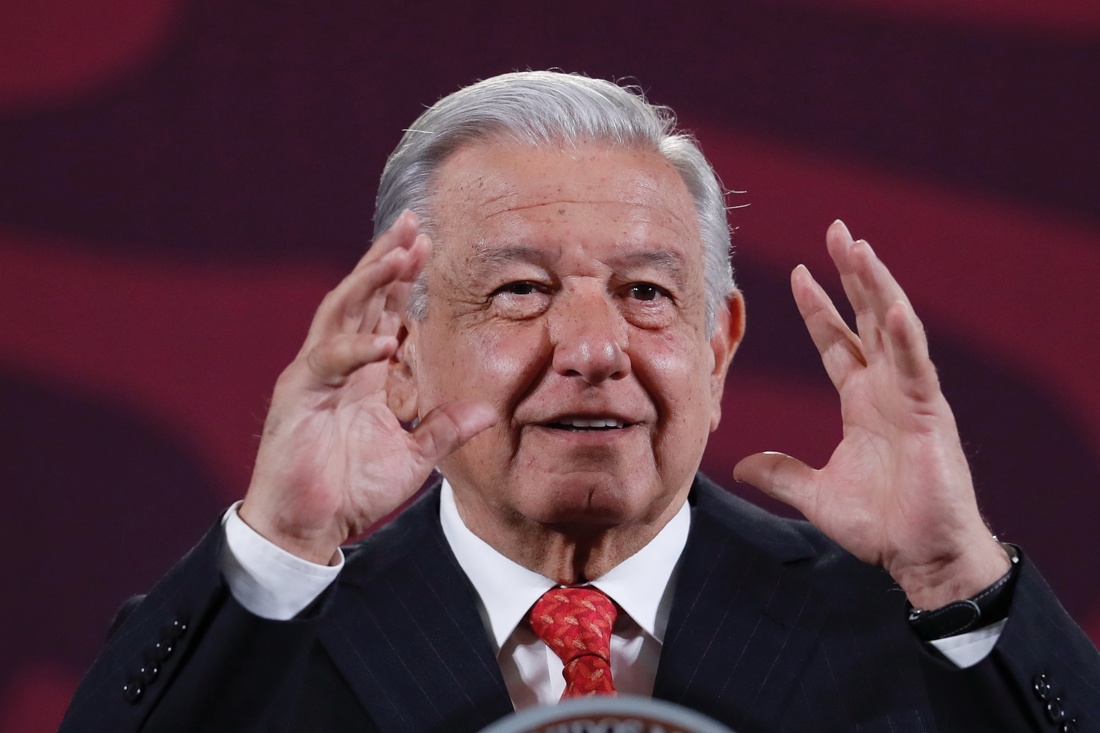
(507, 590)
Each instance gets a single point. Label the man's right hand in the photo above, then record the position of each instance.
(334, 458)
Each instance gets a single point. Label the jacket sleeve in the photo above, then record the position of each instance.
(188, 657)
(1043, 675)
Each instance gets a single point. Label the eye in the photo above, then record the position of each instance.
(523, 287)
(647, 305)
(646, 291)
(521, 299)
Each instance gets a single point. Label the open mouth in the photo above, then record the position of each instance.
(577, 424)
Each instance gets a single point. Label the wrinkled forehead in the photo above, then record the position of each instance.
(489, 179)
(618, 203)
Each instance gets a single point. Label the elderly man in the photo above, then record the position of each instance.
(547, 316)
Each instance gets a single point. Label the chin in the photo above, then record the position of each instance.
(587, 502)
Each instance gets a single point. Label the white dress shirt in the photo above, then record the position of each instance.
(641, 585)
(274, 584)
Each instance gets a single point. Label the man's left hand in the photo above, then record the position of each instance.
(897, 490)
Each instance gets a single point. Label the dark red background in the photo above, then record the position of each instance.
(182, 180)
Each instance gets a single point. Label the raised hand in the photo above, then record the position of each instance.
(897, 490)
(334, 457)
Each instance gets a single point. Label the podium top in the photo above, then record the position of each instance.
(603, 714)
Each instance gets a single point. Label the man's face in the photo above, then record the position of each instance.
(566, 289)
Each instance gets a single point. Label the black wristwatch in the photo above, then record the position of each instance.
(987, 607)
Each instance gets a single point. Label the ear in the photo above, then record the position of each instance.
(401, 384)
(728, 331)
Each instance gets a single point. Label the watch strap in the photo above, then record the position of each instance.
(987, 607)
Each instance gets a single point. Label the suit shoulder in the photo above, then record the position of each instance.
(787, 541)
(411, 530)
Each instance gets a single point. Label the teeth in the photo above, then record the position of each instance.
(577, 422)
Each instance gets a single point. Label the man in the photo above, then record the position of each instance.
(556, 319)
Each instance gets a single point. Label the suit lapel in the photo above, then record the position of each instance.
(744, 617)
(407, 635)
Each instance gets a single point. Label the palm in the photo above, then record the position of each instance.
(883, 485)
(897, 490)
(334, 457)
(348, 455)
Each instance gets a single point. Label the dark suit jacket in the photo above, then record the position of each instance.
(773, 628)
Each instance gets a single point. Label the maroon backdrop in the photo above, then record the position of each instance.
(182, 180)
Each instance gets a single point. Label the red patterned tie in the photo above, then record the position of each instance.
(576, 624)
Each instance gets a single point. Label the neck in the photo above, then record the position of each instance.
(567, 554)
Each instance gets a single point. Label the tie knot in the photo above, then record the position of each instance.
(576, 624)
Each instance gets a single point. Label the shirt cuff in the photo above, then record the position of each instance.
(266, 579)
(966, 650)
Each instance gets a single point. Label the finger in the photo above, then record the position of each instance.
(840, 349)
(384, 312)
(334, 360)
(909, 352)
(397, 297)
(400, 235)
(357, 302)
(884, 313)
(450, 426)
(868, 284)
(778, 475)
(901, 334)
(400, 266)
(850, 259)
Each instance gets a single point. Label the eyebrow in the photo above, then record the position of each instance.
(493, 257)
(661, 259)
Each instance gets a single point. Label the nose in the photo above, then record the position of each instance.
(589, 337)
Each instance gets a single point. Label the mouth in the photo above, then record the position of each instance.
(587, 424)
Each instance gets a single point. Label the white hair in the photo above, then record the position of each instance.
(547, 108)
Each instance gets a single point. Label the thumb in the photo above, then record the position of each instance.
(449, 426)
(779, 476)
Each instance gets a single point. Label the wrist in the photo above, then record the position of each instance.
(318, 547)
(936, 585)
(984, 608)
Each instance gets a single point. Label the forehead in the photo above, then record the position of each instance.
(499, 185)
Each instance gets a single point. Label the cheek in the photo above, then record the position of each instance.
(503, 357)
(676, 372)
(495, 365)
(677, 376)
(500, 367)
